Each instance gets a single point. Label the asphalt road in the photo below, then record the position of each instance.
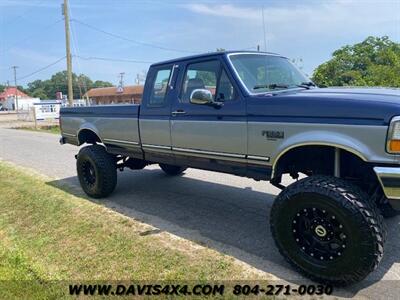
(224, 212)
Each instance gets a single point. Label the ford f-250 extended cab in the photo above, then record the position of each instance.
(254, 114)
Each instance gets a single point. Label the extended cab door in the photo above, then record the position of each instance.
(205, 131)
(155, 113)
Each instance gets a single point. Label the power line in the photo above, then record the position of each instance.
(131, 40)
(26, 12)
(113, 59)
(42, 69)
(80, 57)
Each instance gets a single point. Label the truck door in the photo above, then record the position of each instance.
(155, 114)
(213, 133)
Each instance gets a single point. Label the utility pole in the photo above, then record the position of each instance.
(120, 88)
(68, 51)
(16, 87)
(121, 79)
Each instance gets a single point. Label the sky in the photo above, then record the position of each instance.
(109, 37)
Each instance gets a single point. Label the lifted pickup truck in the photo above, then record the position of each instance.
(254, 114)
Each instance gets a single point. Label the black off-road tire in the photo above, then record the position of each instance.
(355, 247)
(172, 170)
(97, 171)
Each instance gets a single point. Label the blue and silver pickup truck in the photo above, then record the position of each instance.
(256, 115)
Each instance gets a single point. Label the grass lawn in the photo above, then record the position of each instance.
(55, 129)
(47, 234)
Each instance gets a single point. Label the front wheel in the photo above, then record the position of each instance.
(172, 170)
(328, 230)
(387, 210)
(97, 171)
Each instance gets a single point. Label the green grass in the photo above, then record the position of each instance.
(55, 129)
(18, 280)
(47, 234)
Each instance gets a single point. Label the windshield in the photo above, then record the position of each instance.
(264, 73)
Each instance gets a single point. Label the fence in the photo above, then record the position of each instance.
(48, 111)
(25, 115)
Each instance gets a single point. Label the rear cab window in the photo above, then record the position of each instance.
(159, 87)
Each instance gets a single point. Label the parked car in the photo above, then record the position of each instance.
(256, 115)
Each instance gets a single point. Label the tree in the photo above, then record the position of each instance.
(100, 83)
(39, 93)
(47, 89)
(373, 62)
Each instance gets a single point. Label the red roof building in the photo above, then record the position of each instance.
(114, 95)
(10, 92)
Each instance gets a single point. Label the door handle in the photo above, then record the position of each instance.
(178, 112)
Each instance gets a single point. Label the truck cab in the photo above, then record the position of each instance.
(194, 111)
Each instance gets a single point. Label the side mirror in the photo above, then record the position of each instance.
(201, 97)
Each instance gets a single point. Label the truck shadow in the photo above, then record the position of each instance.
(229, 219)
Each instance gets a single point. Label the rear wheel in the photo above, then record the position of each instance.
(328, 230)
(172, 170)
(97, 171)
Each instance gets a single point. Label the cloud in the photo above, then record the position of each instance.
(317, 16)
(308, 29)
(224, 10)
(315, 21)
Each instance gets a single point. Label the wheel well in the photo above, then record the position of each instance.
(320, 160)
(88, 136)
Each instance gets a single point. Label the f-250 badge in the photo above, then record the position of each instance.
(273, 135)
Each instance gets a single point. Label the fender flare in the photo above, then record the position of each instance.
(88, 127)
(322, 138)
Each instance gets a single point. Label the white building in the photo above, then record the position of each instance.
(23, 103)
(8, 99)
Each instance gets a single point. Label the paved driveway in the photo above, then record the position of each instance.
(222, 211)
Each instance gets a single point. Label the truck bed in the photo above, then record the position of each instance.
(116, 125)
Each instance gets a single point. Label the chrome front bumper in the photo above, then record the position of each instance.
(390, 181)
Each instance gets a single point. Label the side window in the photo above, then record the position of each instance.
(226, 91)
(159, 89)
(202, 75)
